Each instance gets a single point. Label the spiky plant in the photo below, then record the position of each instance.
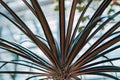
(67, 60)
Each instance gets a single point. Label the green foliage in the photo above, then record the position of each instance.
(103, 28)
(85, 18)
(111, 11)
(56, 0)
(80, 29)
(56, 8)
(80, 8)
(81, 1)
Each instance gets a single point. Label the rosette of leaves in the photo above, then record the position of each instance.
(67, 61)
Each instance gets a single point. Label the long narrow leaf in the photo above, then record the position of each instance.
(21, 72)
(103, 24)
(30, 7)
(62, 28)
(47, 31)
(70, 25)
(81, 40)
(101, 48)
(16, 51)
(99, 41)
(94, 64)
(6, 62)
(78, 23)
(39, 43)
(104, 53)
(26, 51)
(98, 69)
(76, 48)
(32, 77)
(106, 75)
